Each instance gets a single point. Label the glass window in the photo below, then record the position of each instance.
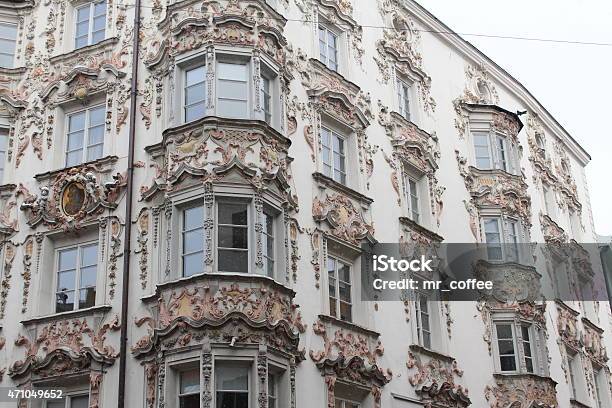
(193, 241)
(493, 238)
(232, 90)
(90, 24)
(76, 277)
(189, 389)
(505, 345)
(267, 99)
(502, 161)
(482, 150)
(3, 148)
(571, 367)
(328, 48)
(268, 242)
(527, 347)
(412, 197)
(232, 386)
(599, 395)
(549, 200)
(272, 392)
(403, 93)
(512, 247)
(85, 139)
(232, 236)
(195, 93)
(423, 321)
(334, 156)
(339, 279)
(8, 40)
(71, 401)
(343, 403)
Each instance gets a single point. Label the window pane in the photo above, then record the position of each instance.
(8, 31)
(193, 218)
(233, 261)
(195, 112)
(233, 213)
(88, 277)
(94, 152)
(345, 291)
(98, 23)
(61, 403)
(231, 378)
(504, 331)
(233, 90)
(507, 363)
(82, 401)
(195, 93)
(76, 122)
(80, 42)
(96, 135)
(232, 109)
(64, 301)
(66, 280)
(67, 259)
(96, 116)
(190, 401)
(506, 347)
(87, 297)
(83, 13)
(233, 237)
(195, 75)
(345, 312)
(193, 241)
(190, 382)
(193, 264)
(236, 72)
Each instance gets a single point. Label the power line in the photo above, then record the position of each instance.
(503, 37)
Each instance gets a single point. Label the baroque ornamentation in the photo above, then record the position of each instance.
(142, 224)
(347, 222)
(522, 391)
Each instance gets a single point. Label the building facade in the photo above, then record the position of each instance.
(235, 174)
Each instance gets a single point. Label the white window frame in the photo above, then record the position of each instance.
(502, 223)
(248, 202)
(273, 397)
(572, 375)
(190, 205)
(345, 403)
(78, 267)
(4, 140)
(510, 162)
(336, 296)
(90, 25)
(68, 399)
(10, 53)
(404, 98)
(194, 65)
(179, 393)
(334, 134)
(419, 320)
(265, 235)
(520, 357)
(410, 193)
(329, 30)
(235, 59)
(219, 364)
(548, 197)
(86, 129)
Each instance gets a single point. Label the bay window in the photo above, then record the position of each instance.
(272, 391)
(340, 288)
(233, 236)
(90, 23)
(3, 149)
(76, 271)
(517, 347)
(328, 47)
(268, 242)
(334, 154)
(85, 137)
(266, 95)
(494, 151)
(403, 94)
(232, 89)
(8, 41)
(232, 386)
(192, 236)
(189, 389)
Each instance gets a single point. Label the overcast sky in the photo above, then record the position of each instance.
(573, 82)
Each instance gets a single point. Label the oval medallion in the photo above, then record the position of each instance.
(73, 199)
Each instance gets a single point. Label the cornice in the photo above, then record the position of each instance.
(74, 314)
(326, 181)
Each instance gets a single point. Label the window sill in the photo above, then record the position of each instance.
(500, 172)
(420, 229)
(417, 348)
(13, 71)
(327, 182)
(348, 325)
(73, 314)
(102, 165)
(103, 45)
(518, 375)
(216, 276)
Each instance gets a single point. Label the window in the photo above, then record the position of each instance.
(505, 346)
(233, 236)
(403, 94)
(189, 389)
(541, 145)
(193, 241)
(334, 155)
(3, 148)
(339, 276)
(502, 244)
(85, 140)
(343, 403)
(267, 99)
(481, 148)
(232, 89)
(493, 151)
(232, 386)
(412, 197)
(549, 200)
(272, 391)
(71, 401)
(527, 351)
(76, 277)
(574, 222)
(571, 368)
(90, 24)
(423, 321)
(8, 39)
(195, 93)
(268, 242)
(328, 47)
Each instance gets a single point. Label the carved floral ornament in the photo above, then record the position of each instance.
(70, 197)
(347, 223)
(8, 216)
(567, 326)
(522, 391)
(252, 310)
(65, 346)
(350, 356)
(592, 340)
(435, 378)
(211, 148)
